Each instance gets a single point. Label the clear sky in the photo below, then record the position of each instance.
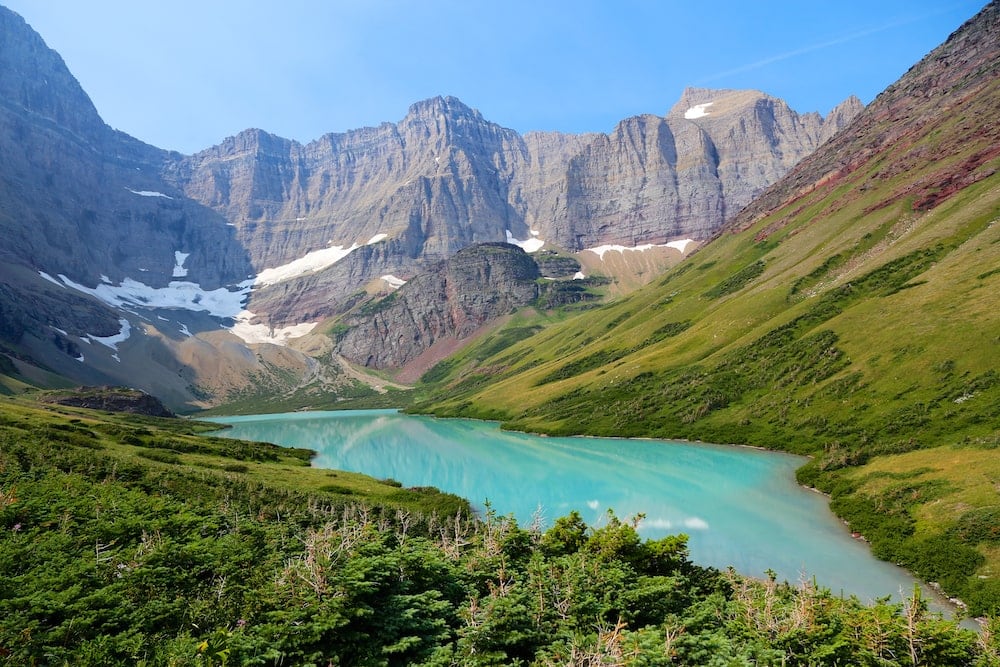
(185, 74)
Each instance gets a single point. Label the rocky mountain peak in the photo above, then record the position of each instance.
(448, 106)
(36, 81)
(840, 117)
(852, 106)
(449, 120)
(709, 103)
(250, 141)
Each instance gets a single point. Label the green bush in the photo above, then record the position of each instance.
(161, 455)
(979, 525)
(737, 281)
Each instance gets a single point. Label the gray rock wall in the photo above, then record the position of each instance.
(478, 284)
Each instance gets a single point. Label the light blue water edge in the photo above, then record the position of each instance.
(740, 506)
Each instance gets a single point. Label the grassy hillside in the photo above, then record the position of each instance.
(853, 313)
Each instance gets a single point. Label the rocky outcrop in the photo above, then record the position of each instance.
(479, 284)
(111, 399)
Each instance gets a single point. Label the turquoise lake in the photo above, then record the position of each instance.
(739, 506)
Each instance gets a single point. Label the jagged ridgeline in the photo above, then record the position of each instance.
(851, 312)
(212, 277)
(128, 539)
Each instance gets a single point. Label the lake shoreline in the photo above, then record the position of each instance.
(551, 453)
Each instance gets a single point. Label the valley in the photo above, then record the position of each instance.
(730, 272)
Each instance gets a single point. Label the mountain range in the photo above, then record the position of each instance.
(195, 277)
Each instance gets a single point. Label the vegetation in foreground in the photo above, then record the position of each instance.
(132, 540)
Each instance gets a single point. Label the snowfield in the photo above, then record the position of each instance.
(184, 295)
(148, 193)
(262, 333)
(528, 245)
(698, 111)
(680, 246)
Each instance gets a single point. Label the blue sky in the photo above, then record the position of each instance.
(185, 74)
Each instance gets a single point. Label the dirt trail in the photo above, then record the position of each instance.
(380, 385)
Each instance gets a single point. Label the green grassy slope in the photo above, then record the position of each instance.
(853, 313)
(177, 452)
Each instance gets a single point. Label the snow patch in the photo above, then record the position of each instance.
(527, 245)
(317, 260)
(51, 279)
(676, 245)
(393, 281)
(220, 302)
(59, 330)
(375, 239)
(148, 193)
(179, 259)
(698, 111)
(578, 275)
(112, 341)
(262, 333)
(184, 330)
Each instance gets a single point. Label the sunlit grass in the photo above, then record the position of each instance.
(189, 447)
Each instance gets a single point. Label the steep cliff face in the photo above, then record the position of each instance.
(478, 284)
(436, 180)
(83, 200)
(85, 214)
(444, 178)
(654, 179)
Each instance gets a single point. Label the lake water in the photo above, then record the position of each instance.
(740, 506)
